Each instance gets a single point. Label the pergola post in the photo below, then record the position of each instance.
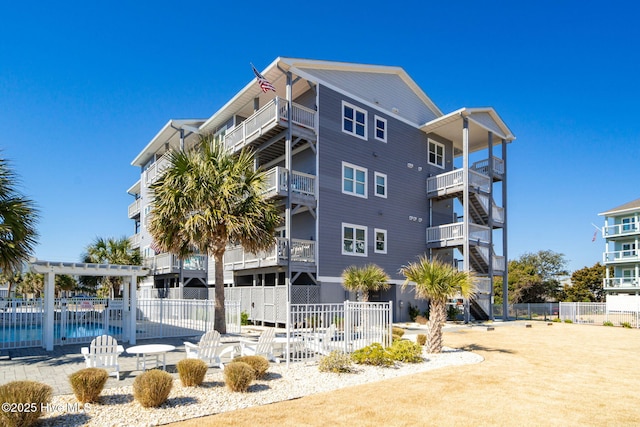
(133, 304)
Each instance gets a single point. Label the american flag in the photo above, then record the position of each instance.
(595, 234)
(264, 83)
(155, 247)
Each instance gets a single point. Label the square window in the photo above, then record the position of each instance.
(354, 180)
(354, 120)
(354, 240)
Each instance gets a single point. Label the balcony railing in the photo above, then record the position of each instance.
(302, 251)
(620, 230)
(498, 261)
(302, 184)
(169, 263)
(630, 255)
(271, 114)
(622, 282)
(134, 240)
(452, 234)
(156, 169)
(497, 212)
(482, 166)
(134, 208)
(453, 182)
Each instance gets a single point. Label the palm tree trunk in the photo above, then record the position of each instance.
(437, 317)
(220, 318)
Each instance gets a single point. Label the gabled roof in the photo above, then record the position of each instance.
(481, 121)
(626, 208)
(387, 88)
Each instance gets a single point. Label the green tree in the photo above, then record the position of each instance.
(12, 279)
(437, 282)
(32, 283)
(206, 199)
(64, 282)
(18, 219)
(586, 285)
(110, 251)
(365, 279)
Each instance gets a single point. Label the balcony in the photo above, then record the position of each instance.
(303, 254)
(622, 283)
(495, 164)
(451, 184)
(156, 169)
(620, 230)
(303, 185)
(273, 116)
(168, 263)
(134, 208)
(134, 240)
(449, 235)
(630, 255)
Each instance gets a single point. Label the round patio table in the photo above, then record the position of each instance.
(150, 350)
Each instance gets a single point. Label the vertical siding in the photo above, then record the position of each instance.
(406, 188)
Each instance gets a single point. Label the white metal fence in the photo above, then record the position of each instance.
(79, 320)
(318, 329)
(598, 313)
(528, 311)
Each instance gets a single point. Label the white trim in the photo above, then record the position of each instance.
(438, 145)
(375, 241)
(375, 128)
(375, 184)
(355, 111)
(354, 227)
(355, 169)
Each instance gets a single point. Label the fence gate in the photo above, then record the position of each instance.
(21, 322)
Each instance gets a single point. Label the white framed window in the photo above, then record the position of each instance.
(627, 275)
(436, 153)
(354, 120)
(354, 180)
(380, 125)
(628, 249)
(381, 241)
(380, 182)
(628, 224)
(354, 239)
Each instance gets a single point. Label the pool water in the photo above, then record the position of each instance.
(13, 333)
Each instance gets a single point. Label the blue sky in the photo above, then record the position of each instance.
(85, 86)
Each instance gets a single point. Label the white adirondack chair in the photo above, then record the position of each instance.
(323, 343)
(263, 347)
(103, 352)
(209, 349)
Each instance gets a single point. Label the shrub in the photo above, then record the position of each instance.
(556, 320)
(238, 376)
(452, 312)
(152, 388)
(244, 318)
(568, 321)
(625, 325)
(607, 323)
(421, 320)
(421, 339)
(406, 351)
(87, 384)
(413, 312)
(373, 354)
(336, 362)
(192, 371)
(31, 393)
(397, 331)
(259, 364)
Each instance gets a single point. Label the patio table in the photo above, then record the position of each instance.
(150, 350)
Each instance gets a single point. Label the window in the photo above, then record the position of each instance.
(628, 249)
(381, 241)
(381, 184)
(354, 120)
(628, 224)
(354, 180)
(627, 275)
(436, 154)
(380, 128)
(354, 240)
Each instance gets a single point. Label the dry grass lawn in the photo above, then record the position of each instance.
(558, 374)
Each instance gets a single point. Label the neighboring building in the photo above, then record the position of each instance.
(378, 175)
(622, 236)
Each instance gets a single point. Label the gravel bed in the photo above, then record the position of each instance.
(118, 408)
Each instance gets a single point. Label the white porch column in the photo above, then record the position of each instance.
(133, 305)
(48, 328)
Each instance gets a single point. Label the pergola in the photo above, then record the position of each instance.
(50, 269)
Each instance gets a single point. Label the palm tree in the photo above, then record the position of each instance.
(110, 251)
(32, 283)
(11, 279)
(18, 218)
(206, 199)
(437, 281)
(365, 279)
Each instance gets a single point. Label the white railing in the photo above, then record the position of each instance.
(620, 230)
(318, 329)
(135, 240)
(21, 323)
(236, 258)
(156, 169)
(483, 285)
(497, 212)
(453, 181)
(134, 208)
(497, 261)
(273, 112)
(165, 263)
(302, 184)
(599, 313)
(622, 282)
(455, 231)
(482, 166)
(630, 255)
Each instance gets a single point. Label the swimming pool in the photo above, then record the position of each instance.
(20, 333)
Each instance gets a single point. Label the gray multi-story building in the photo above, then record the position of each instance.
(365, 169)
